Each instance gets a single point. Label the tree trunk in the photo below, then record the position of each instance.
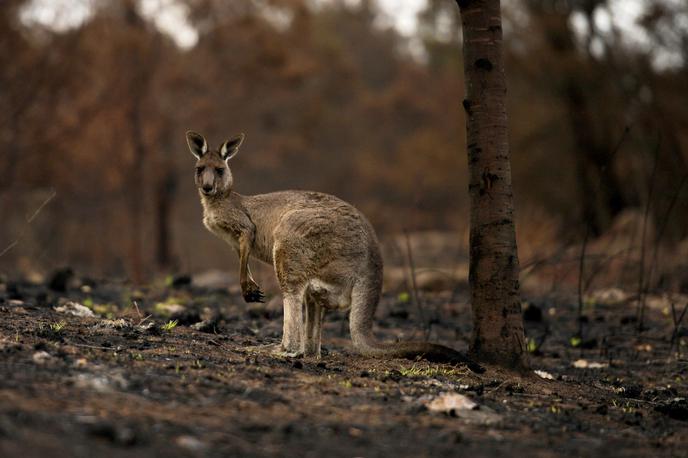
(497, 322)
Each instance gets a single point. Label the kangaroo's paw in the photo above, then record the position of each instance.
(252, 293)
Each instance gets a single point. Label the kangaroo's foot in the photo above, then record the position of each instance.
(287, 353)
(289, 348)
(251, 292)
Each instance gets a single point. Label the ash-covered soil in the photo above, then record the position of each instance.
(127, 381)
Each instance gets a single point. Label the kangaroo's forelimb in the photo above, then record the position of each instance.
(249, 288)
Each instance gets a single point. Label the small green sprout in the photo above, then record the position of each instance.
(575, 341)
(58, 327)
(404, 297)
(427, 371)
(532, 345)
(170, 325)
(107, 310)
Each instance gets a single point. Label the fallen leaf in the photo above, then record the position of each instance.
(643, 347)
(76, 309)
(41, 357)
(584, 364)
(451, 402)
(543, 374)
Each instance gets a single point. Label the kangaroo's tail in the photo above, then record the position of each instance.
(411, 350)
(365, 296)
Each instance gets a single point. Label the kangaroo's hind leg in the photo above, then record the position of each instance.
(293, 329)
(313, 329)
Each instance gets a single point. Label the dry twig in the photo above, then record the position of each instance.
(414, 285)
(29, 220)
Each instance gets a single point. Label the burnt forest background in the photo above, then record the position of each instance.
(95, 174)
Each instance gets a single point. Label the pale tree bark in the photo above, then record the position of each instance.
(497, 322)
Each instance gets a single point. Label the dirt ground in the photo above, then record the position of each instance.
(128, 382)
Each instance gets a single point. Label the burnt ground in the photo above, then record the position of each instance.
(120, 383)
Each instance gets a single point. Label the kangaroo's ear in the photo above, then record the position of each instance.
(229, 148)
(197, 144)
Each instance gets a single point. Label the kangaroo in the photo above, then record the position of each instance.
(324, 251)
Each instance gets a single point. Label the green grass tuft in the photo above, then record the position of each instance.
(170, 325)
(58, 327)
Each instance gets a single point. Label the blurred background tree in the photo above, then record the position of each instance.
(332, 98)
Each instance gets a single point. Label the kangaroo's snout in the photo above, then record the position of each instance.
(207, 181)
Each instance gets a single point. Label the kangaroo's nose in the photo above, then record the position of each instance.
(207, 187)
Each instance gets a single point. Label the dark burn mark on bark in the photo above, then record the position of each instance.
(513, 308)
(503, 222)
(474, 153)
(483, 64)
(505, 312)
(517, 307)
(466, 105)
(463, 3)
(489, 177)
(487, 180)
(475, 252)
(495, 28)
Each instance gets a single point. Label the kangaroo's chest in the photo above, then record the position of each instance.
(229, 226)
(222, 228)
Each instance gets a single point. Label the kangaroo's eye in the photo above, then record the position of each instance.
(220, 171)
(199, 170)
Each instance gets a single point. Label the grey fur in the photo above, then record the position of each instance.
(324, 251)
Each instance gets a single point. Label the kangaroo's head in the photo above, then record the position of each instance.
(213, 177)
